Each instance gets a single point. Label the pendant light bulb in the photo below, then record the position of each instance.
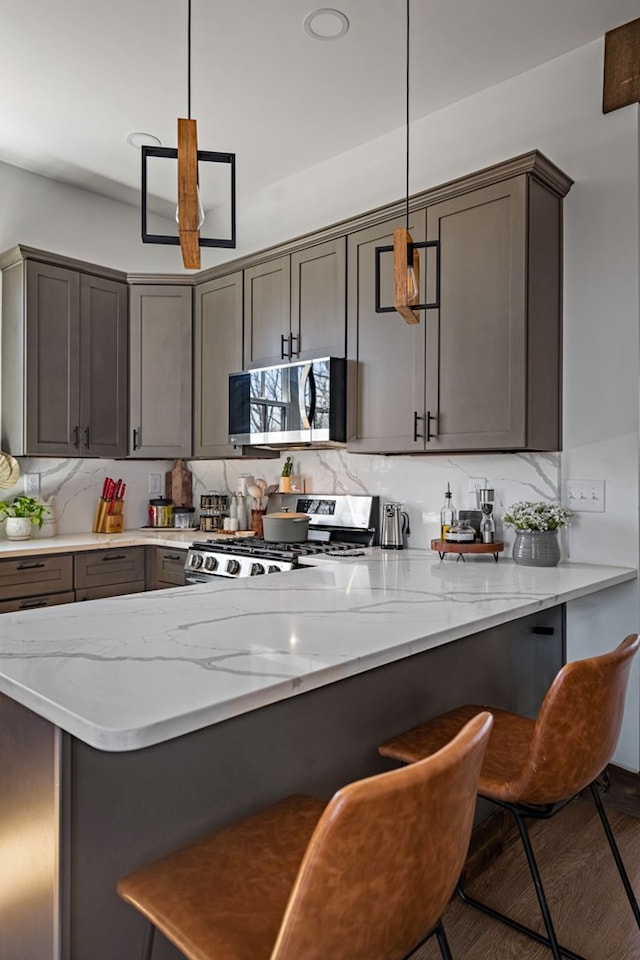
(412, 284)
(201, 214)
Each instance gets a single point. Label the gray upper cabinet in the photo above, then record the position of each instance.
(493, 353)
(160, 370)
(295, 306)
(482, 372)
(386, 383)
(217, 353)
(267, 296)
(64, 364)
(104, 352)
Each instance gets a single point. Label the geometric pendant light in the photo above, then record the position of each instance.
(189, 208)
(406, 260)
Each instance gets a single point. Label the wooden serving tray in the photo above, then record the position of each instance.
(445, 546)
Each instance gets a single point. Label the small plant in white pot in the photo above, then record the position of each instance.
(22, 514)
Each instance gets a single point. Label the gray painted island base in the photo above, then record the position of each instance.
(76, 818)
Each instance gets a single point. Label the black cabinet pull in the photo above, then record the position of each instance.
(87, 436)
(31, 604)
(416, 417)
(172, 556)
(118, 556)
(136, 438)
(543, 631)
(30, 566)
(76, 437)
(284, 355)
(292, 352)
(430, 417)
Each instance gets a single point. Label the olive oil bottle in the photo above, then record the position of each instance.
(447, 513)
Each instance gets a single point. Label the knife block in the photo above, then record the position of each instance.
(109, 516)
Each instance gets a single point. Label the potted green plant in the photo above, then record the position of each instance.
(536, 524)
(22, 514)
(285, 477)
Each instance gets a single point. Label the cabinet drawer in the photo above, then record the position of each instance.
(100, 568)
(110, 590)
(169, 567)
(34, 576)
(33, 603)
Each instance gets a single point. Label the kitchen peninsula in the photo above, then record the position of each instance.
(132, 724)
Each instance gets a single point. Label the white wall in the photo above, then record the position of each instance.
(554, 108)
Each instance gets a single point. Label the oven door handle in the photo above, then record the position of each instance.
(307, 416)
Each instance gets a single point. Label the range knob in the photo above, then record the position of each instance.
(211, 563)
(233, 566)
(273, 569)
(256, 569)
(196, 561)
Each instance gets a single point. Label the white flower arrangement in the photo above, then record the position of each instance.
(529, 515)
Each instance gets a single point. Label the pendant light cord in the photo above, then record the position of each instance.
(408, 62)
(189, 61)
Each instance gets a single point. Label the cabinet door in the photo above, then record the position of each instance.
(318, 301)
(52, 374)
(476, 351)
(160, 371)
(267, 303)
(217, 353)
(386, 381)
(103, 367)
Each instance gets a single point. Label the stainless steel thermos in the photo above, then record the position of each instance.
(395, 525)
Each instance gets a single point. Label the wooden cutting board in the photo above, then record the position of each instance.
(179, 485)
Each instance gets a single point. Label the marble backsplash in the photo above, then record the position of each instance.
(418, 483)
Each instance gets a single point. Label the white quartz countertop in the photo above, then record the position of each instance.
(75, 542)
(132, 671)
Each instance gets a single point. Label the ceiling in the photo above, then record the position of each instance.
(78, 76)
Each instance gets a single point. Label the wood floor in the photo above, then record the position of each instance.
(590, 910)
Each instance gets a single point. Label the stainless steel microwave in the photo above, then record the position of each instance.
(299, 403)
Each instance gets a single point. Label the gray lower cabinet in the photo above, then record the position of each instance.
(217, 353)
(482, 372)
(109, 573)
(295, 306)
(30, 582)
(64, 360)
(165, 568)
(160, 370)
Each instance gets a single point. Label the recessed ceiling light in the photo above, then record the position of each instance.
(142, 140)
(325, 24)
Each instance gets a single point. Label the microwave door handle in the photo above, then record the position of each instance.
(306, 417)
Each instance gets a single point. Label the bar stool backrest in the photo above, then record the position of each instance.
(578, 726)
(385, 857)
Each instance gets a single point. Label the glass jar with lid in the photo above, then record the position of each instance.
(461, 531)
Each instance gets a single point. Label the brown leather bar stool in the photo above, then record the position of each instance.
(366, 875)
(535, 767)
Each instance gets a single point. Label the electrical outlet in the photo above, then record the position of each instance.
(155, 484)
(584, 496)
(32, 484)
(476, 484)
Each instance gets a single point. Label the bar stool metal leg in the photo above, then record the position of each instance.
(443, 943)
(550, 941)
(147, 943)
(624, 876)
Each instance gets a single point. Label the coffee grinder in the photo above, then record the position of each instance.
(487, 524)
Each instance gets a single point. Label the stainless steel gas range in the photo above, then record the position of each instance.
(340, 526)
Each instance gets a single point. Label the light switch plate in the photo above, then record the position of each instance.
(584, 496)
(155, 484)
